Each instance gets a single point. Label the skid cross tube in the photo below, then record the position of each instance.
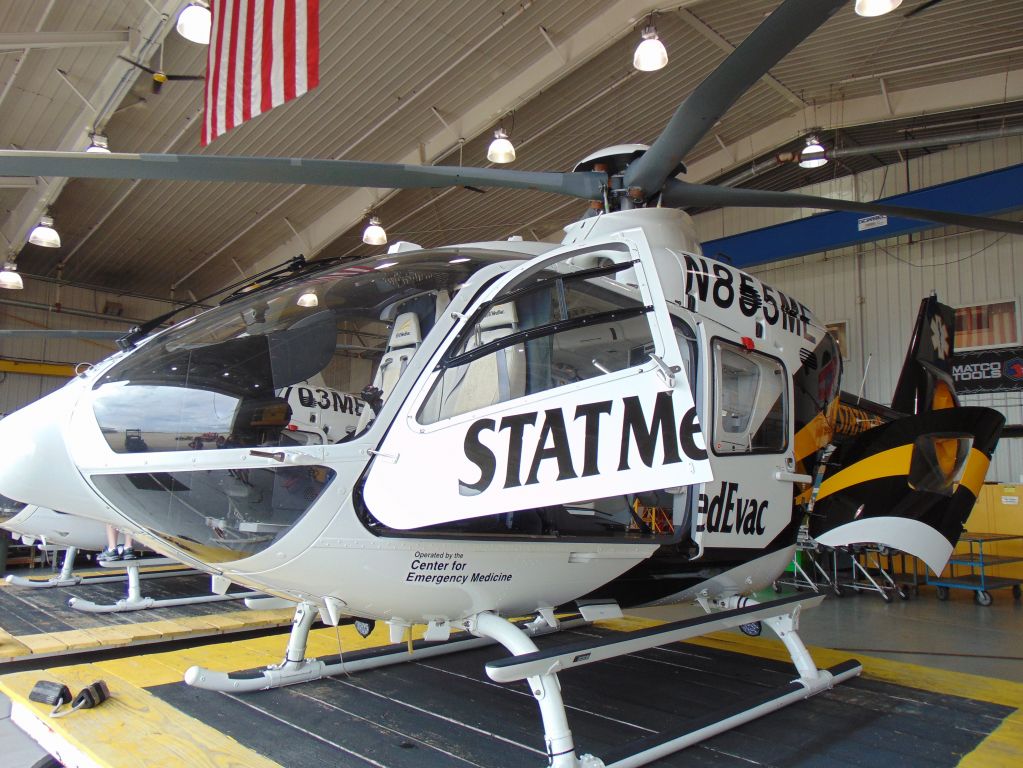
(540, 668)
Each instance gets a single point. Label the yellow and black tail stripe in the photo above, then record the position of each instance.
(895, 462)
(915, 467)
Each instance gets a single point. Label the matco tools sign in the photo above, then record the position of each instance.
(988, 370)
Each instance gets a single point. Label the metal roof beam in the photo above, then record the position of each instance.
(18, 41)
(689, 18)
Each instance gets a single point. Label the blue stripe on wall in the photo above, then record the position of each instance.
(983, 195)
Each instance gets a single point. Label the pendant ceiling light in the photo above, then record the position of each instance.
(44, 234)
(194, 23)
(501, 149)
(374, 234)
(10, 278)
(651, 54)
(98, 143)
(813, 155)
(876, 7)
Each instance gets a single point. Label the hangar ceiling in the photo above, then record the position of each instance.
(428, 81)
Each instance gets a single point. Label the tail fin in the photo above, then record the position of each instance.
(926, 383)
(908, 476)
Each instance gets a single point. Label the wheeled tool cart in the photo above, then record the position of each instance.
(978, 561)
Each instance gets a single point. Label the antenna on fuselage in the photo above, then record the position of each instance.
(863, 381)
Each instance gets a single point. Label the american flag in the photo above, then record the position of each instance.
(262, 53)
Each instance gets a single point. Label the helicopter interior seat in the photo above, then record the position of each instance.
(404, 340)
(492, 379)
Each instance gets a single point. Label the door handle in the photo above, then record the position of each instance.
(791, 477)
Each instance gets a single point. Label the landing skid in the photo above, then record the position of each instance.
(67, 577)
(539, 669)
(295, 668)
(135, 601)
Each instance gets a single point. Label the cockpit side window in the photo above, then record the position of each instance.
(750, 401)
(555, 331)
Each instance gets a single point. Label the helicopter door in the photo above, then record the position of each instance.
(562, 385)
(750, 446)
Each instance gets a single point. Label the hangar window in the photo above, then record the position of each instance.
(987, 326)
(749, 401)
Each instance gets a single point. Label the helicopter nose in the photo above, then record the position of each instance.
(35, 466)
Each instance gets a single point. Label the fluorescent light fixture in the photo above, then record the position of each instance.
(10, 278)
(374, 234)
(813, 155)
(501, 149)
(44, 234)
(385, 265)
(98, 143)
(308, 299)
(876, 7)
(651, 54)
(461, 260)
(194, 23)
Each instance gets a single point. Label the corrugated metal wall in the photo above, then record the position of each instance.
(876, 288)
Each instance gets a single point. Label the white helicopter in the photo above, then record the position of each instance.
(613, 421)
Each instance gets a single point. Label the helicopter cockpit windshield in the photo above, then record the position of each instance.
(225, 379)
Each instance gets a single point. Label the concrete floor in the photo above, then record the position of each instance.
(956, 635)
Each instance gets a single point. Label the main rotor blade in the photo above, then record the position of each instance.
(680, 194)
(779, 33)
(60, 333)
(587, 185)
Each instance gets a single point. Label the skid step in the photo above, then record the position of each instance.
(565, 657)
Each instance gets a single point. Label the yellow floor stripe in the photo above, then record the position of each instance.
(133, 728)
(118, 635)
(11, 647)
(1003, 747)
(41, 577)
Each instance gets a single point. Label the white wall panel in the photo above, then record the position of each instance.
(35, 308)
(878, 286)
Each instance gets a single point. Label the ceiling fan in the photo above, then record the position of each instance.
(159, 75)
